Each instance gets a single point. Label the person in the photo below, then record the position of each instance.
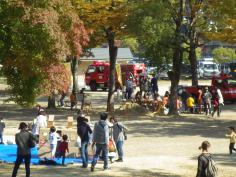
(53, 141)
(73, 100)
(207, 101)
(83, 131)
(41, 122)
(38, 108)
(179, 104)
(129, 88)
(221, 101)
(199, 100)
(63, 147)
(23, 148)
(215, 102)
(59, 140)
(154, 85)
(165, 99)
(119, 137)
(232, 138)
(203, 159)
(63, 95)
(2, 126)
(101, 140)
(190, 103)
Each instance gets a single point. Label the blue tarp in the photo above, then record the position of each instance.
(8, 155)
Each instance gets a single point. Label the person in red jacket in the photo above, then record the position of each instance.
(63, 148)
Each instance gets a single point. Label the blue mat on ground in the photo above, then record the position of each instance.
(8, 155)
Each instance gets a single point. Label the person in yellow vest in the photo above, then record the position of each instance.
(190, 103)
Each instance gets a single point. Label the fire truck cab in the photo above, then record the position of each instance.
(97, 74)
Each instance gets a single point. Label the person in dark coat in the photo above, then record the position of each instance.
(203, 159)
(83, 131)
(23, 140)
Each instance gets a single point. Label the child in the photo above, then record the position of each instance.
(2, 126)
(59, 139)
(63, 148)
(215, 102)
(190, 103)
(53, 141)
(232, 137)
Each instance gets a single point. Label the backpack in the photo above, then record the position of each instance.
(211, 169)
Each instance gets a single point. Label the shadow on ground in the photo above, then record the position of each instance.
(71, 171)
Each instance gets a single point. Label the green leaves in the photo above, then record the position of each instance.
(222, 55)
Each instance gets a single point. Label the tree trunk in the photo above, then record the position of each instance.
(51, 101)
(193, 63)
(174, 75)
(113, 55)
(74, 71)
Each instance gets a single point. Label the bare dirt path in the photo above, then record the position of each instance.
(156, 146)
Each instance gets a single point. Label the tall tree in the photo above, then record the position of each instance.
(36, 35)
(106, 19)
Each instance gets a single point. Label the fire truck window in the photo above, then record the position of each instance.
(100, 69)
(91, 69)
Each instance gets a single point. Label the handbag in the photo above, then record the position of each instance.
(111, 147)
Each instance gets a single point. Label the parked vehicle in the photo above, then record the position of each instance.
(207, 68)
(97, 74)
(226, 83)
(229, 68)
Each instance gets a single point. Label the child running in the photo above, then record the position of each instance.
(232, 138)
(63, 148)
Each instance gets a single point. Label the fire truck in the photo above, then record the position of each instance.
(97, 74)
(225, 82)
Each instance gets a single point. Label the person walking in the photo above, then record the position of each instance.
(23, 140)
(119, 137)
(199, 100)
(232, 139)
(101, 140)
(2, 126)
(203, 159)
(221, 101)
(41, 122)
(83, 131)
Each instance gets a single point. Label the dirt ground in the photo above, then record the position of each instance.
(157, 146)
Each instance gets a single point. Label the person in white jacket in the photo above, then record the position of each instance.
(221, 101)
(40, 122)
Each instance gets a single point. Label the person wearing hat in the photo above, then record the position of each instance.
(23, 140)
(101, 140)
(41, 122)
(83, 131)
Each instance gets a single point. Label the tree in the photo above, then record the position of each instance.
(222, 22)
(106, 19)
(222, 55)
(36, 35)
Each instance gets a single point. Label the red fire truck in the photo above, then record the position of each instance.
(226, 83)
(97, 74)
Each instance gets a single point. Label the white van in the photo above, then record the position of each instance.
(207, 68)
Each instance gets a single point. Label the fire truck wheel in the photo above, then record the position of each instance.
(93, 86)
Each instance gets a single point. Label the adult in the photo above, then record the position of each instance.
(23, 140)
(203, 159)
(41, 122)
(83, 131)
(119, 137)
(2, 126)
(129, 88)
(221, 101)
(199, 100)
(101, 140)
(154, 85)
(207, 101)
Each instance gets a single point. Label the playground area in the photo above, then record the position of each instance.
(159, 146)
